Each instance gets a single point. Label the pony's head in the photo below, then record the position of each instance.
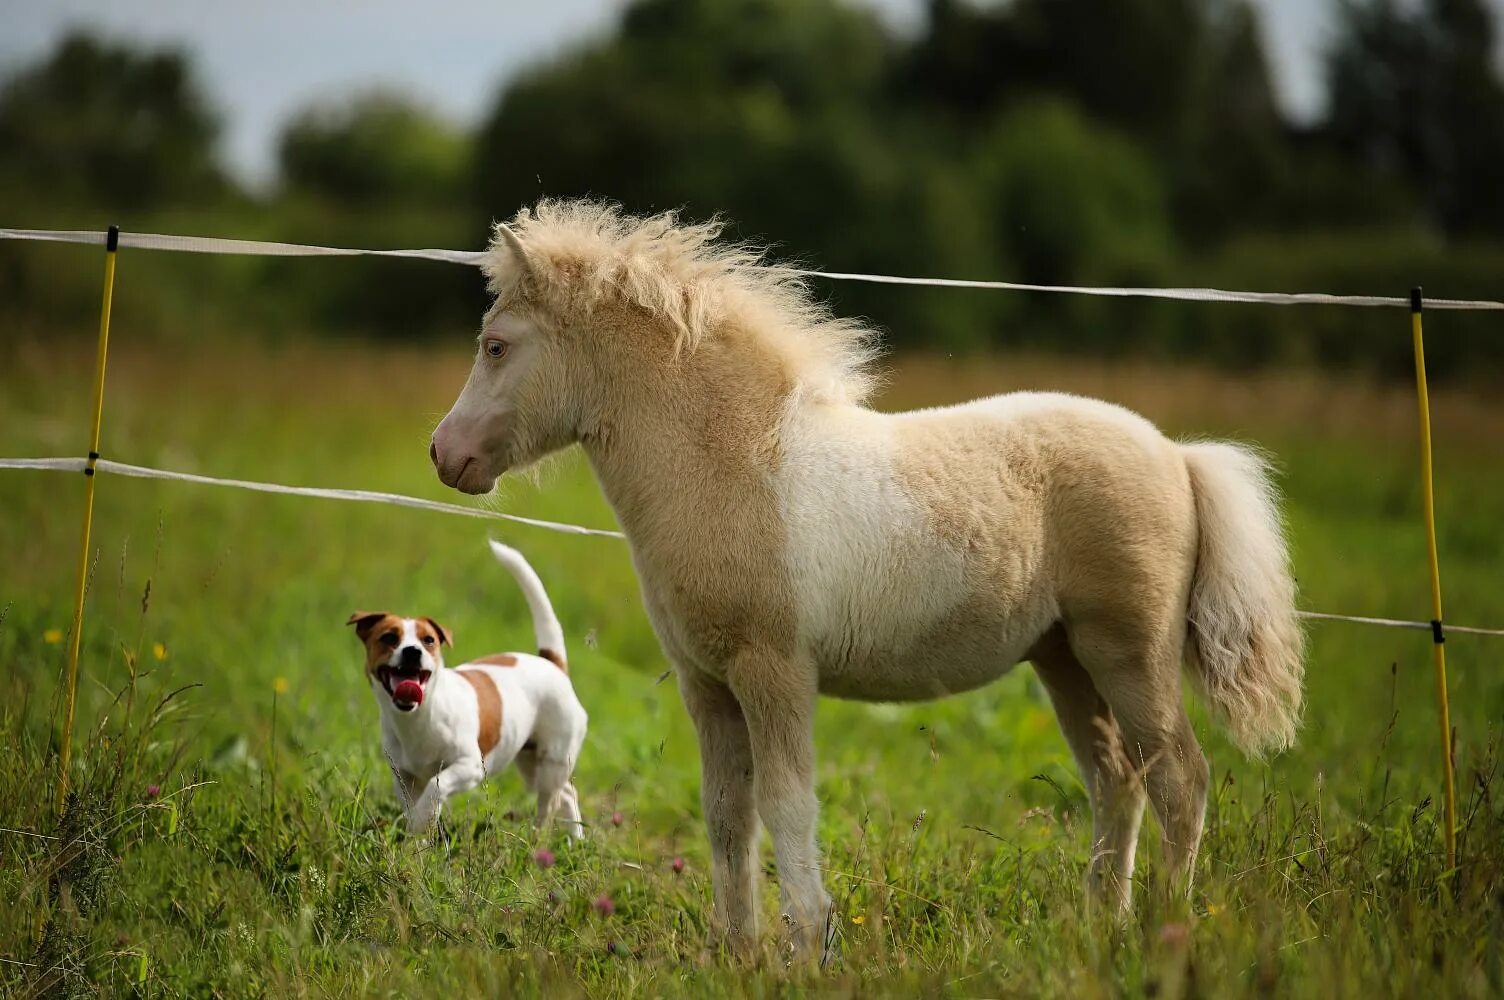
(591, 305)
(523, 398)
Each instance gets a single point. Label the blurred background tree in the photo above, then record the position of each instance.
(1059, 141)
(1416, 99)
(378, 149)
(102, 122)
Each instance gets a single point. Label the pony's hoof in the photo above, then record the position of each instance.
(809, 940)
(733, 943)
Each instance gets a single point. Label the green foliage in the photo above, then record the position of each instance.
(193, 297)
(768, 113)
(978, 57)
(1459, 345)
(695, 103)
(102, 122)
(1415, 94)
(1120, 142)
(375, 151)
(1072, 202)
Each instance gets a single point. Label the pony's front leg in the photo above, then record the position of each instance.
(726, 799)
(451, 780)
(777, 696)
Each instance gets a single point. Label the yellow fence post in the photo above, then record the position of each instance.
(1438, 634)
(70, 691)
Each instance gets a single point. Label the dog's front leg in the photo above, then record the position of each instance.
(406, 787)
(451, 780)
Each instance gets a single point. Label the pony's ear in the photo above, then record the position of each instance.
(507, 237)
(364, 621)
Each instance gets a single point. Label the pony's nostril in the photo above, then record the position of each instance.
(433, 453)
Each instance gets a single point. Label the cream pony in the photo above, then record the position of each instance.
(791, 542)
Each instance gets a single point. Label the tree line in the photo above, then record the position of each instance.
(1051, 141)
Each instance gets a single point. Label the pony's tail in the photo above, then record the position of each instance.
(546, 628)
(1246, 651)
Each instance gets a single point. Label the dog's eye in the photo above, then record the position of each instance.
(389, 639)
(496, 348)
(428, 640)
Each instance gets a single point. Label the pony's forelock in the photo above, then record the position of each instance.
(582, 253)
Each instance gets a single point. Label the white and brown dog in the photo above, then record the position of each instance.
(445, 730)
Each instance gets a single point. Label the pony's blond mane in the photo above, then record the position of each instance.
(584, 253)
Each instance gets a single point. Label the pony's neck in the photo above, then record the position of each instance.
(695, 439)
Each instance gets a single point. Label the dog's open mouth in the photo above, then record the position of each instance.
(405, 687)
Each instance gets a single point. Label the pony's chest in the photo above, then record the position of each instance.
(708, 608)
(866, 567)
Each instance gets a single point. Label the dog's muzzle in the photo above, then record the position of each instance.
(405, 684)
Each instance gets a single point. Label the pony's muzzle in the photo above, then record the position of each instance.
(458, 466)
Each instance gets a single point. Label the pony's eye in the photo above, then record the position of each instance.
(496, 348)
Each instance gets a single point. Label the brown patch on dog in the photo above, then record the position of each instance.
(370, 626)
(427, 627)
(557, 659)
(488, 705)
(365, 622)
(498, 660)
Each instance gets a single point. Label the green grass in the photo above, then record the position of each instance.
(270, 861)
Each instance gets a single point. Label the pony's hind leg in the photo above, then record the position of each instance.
(1136, 669)
(1117, 796)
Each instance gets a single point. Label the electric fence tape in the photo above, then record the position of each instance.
(399, 500)
(216, 245)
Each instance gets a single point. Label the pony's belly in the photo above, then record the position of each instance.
(941, 663)
(907, 680)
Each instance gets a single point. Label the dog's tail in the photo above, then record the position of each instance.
(545, 624)
(1246, 648)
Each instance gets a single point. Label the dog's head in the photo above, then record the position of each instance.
(401, 655)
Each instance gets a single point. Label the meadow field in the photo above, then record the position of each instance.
(233, 830)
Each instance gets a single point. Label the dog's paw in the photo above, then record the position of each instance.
(422, 814)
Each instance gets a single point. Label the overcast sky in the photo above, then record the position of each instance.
(263, 59)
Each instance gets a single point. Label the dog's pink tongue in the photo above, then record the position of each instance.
(410, 692)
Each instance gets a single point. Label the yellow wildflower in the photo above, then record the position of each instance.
(860, 918)
(52, 636)
(159, 650)
(280, 685)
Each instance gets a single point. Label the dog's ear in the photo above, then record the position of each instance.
(364, 621)
(444, 636)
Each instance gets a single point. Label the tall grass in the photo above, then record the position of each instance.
(231, 829)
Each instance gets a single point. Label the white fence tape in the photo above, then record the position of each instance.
(364, 496)
(217, 245)
(1397, 623)
(212, 244)
(398, 500)
(1181, 294)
